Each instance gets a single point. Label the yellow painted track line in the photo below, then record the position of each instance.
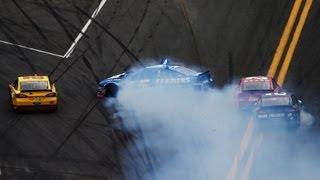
(282, 74)
(272, 72)
(294, 42)
(248, 166)
(234, 168)
(284, 38)
(243, 147)
(246, 138)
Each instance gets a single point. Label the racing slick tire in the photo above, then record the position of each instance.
(111, 90)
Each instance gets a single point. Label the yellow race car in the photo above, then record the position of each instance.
(33, 93)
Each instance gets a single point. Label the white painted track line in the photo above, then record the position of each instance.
(84, 29)
(75, 42)
(32, 49)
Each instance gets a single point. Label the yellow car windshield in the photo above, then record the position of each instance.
(34, 86)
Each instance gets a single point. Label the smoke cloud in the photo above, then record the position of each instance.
(189, 134)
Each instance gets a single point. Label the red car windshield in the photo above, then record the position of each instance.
(256, 86)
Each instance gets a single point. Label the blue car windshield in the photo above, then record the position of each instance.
(275, 101)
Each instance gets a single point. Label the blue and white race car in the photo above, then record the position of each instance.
(164, 74)
(279, 108)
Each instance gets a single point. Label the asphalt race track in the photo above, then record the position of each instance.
(230, 38)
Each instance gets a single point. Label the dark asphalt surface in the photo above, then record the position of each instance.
(295, 155)
(230, 38)
(303, 78)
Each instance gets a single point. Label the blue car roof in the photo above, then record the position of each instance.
(179, 69)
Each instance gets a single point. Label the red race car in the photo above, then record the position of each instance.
(252, 88)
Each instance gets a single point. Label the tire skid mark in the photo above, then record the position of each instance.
(108, 163)
(122, 137)
(188, 21)
(36, 135)
(126, 11)
(28, 157)
(116, 139)
(37, 28)
(146, 156)
(151, 35)
(164, 13)
(89, 143)
(47, 172)
(118, 60)
(68, 67)
(5, 20)
(92, 146)
(130, 54)
(89, 108)
(41, 5)
(112, 18)
(89, 66)
(11, 125)
(24, 58)
(101, 162)
(58, 18)
(127, 143)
